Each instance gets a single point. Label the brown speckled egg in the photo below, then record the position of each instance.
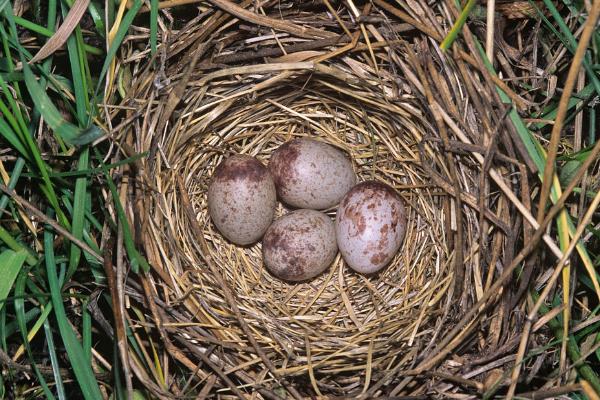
(300, 245)
(242, 199)
(311, 174)
(370, 226)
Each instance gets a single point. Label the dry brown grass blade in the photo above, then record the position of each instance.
(552, 393)
(118, 313)
(268, 22)
(408, 19)
(166, 4)
(58, 39)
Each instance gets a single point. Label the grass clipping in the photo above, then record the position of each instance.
(415, 122)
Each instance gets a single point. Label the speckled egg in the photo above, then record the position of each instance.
(242, 199)
(311, 174)
(370, 226)
(299, 245)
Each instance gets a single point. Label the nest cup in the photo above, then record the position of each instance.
(340, 322)
(342, 332)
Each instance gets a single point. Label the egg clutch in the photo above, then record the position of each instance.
(310, 176)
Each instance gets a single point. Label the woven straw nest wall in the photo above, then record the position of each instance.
(424, 121)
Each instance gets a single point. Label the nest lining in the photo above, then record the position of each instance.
(341, 315)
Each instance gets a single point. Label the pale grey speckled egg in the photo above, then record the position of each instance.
(311, 174)
(370, 226)
(242, 199)
(299, 245)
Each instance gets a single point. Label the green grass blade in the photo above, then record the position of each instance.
(78, 213)
(60, 389)
(112, 51)
(87, 332)
(584, 369)
(48, 33)
(569, 39)
(98, 17)
(12, 182)
(135, 258)
(550, 114)
(11, 137)
(19, 304)
(76, 60)
(81, 367)
(12, 326)
(10, 266)
(78, 63)
(12, 243)
(457, 27)
(67, 131)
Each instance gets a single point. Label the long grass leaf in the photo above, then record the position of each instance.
(10, 266)
(13, 244)
(78, 62)
(66, 130)
(58, 383)
(81, 367)
(584, 369)
(153, 25)
(48, 33)
(116, 42)
(457, 27)
(78, 213)
(569, 39)
(19, 304)
(35, 328)
(11, 137)
(135, 258)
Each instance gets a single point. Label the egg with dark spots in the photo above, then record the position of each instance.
(242, 199)
(299, 245)
(311, 174)
(370, 226)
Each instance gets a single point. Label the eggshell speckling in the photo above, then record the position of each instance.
(299, 245)
(370, 226)
(311, 174)
(242, 199)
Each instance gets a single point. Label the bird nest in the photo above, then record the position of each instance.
(377, 86)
